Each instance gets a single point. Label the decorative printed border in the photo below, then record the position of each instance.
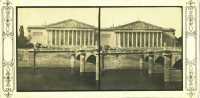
(8, 71)
(191, 31)
(8, 34)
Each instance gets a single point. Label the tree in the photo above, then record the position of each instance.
(23, 41)
(180, 41)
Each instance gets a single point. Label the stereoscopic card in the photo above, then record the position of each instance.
(105, 49)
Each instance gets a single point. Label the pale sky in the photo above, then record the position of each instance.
(45, 16)
(168, 17)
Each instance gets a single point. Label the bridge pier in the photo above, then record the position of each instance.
(72, 62)
(82, 63)
(173, 60)
(141, 63)
(102, 62)
(154, 58)
(150, 62)
(97, 67)
(166, 70)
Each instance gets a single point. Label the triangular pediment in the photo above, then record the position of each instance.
(71, 23)
(139, 25)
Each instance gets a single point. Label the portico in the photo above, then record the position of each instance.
(65, 34)
(139, 39)
(71, 38)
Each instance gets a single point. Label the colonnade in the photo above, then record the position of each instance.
(139, 39)
(71, 38)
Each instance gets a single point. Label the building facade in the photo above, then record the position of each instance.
(64, 34)
(72, 33)
(138, 34)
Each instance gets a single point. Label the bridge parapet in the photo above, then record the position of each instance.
(141, 50)
(62, 49)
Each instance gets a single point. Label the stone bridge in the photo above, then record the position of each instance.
(151, 55)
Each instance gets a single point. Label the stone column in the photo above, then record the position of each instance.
(161, 40)
(79, 33)
(50, 38)
(141, 63)
(119, 39)
(149, 39)
(60, 37)
(116, 40)
(53, 37)
(56, 34)
(76, 42)
(128, 39)
(57, 38)
(124, 39)
(144, 39)
(84, 38)
(150, 65)
(140, 39)
(89, 40)
(136, 40)
(132, 39)
(64, 38)
(80, 38)
(65, 33)
(93, 34)
(68, 37)
(72, 62)
(97, 67)
(73, 36)
(157, 39)
(82, 63)
(153, 39)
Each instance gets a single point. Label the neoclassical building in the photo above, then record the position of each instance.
(64, 34)
(138, 34)
(72, 33)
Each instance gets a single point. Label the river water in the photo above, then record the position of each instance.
(57, 79)
(119, 73)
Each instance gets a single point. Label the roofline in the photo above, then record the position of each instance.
(103, 29)
(50, 25)
(112, 29)
(42, 27)
(36, 27)
(162, 28)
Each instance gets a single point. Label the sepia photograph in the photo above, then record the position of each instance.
(57, 49)
(99, 49)
(141, 48)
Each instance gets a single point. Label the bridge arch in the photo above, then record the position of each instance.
(91, 59)
(77, 55)
(146, 57)
(160, 60)
(178, 64)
